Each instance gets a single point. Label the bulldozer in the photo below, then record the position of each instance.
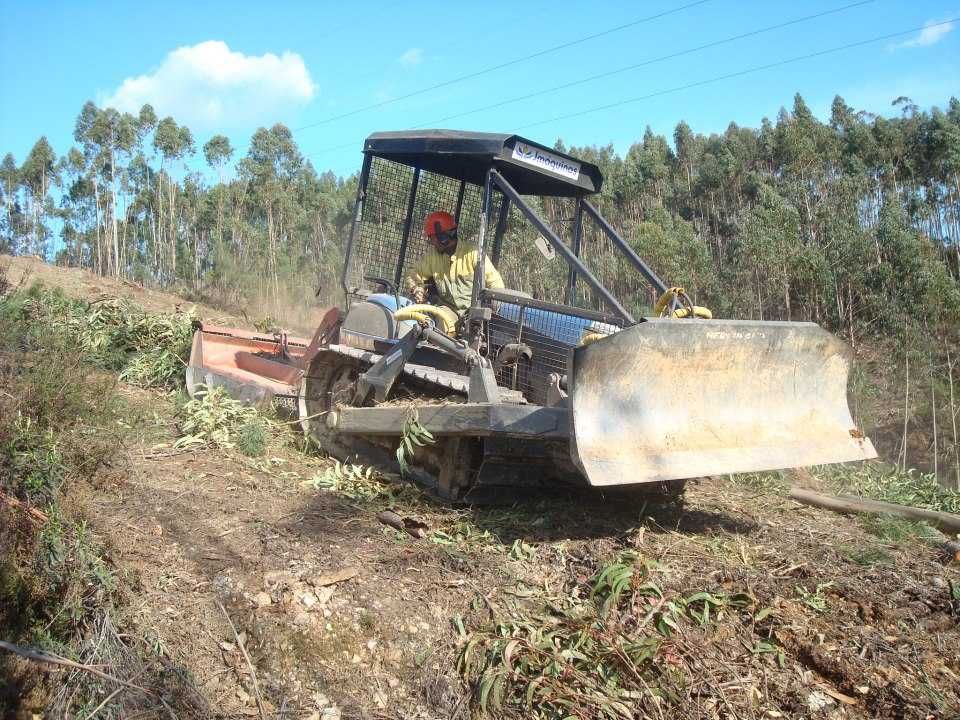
(588, 369)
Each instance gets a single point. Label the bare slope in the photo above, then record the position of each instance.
(83, 284)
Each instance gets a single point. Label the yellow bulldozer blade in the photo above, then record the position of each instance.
(669, 399)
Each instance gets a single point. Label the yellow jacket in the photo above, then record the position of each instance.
(453, 275)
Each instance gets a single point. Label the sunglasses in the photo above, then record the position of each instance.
(443, 238)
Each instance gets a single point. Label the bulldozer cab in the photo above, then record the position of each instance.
(526, 207)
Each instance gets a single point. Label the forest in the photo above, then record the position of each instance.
(851, 221)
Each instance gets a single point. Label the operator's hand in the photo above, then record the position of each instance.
(419, 294)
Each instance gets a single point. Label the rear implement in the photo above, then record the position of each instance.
(253, 367)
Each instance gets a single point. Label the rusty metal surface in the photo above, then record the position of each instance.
(670, 399)
(240, 362)
(269, 339)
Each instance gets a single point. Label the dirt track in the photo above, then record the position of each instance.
(198, 527)
(191, 529)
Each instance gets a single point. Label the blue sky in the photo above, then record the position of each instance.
(229, 67)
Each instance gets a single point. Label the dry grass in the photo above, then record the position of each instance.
(61, 425)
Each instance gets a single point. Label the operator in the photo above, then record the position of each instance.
(448, 265)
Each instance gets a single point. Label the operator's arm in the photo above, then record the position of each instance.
(416, 279)
(491, 276)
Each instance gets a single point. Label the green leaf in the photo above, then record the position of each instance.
(763, 613)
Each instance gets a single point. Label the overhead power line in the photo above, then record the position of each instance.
(651, 61)
(739, 73)
(698, 83)
(709, 81)
(501, 66)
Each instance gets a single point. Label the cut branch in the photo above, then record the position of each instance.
(946, 522)
(41, 656)
(246, 656)
(32, 512)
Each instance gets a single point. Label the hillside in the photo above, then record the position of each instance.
(253, 578)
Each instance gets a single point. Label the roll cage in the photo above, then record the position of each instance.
(505, 192)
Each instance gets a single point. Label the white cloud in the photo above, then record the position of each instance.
(207, 86)
(413, 56)
(933, 32)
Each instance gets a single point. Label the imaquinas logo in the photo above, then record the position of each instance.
(546, 160)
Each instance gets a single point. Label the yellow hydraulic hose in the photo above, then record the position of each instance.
(680, 312)
(444, 318)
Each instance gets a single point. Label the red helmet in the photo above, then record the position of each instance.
(438, 221)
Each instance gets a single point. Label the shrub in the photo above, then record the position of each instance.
(214, 418)
(252, 437)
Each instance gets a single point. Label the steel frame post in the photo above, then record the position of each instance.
(577, 239)
(408, 218)
(357, 217)
(501, 227)
(572, 260)
(460, 192)
(475, 330)
(481, 237)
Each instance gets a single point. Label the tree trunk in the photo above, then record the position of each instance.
(113, 213)
(160, 225)
(933, 413)
(906, 414)
(96, 198)
(953, 420)
(946, 522)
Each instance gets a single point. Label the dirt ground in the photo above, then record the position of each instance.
(195, 529)
(342, 616)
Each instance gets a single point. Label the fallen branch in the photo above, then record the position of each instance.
(946, 522)
(41, 656)
(415, 527)
(246, 656)
(32, 512)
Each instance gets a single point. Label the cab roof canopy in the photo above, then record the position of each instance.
(531, 168)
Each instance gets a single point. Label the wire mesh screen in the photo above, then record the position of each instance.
(526, 260)
(437, 192)
(376, 243)
(530, 340)
(530, 265)
(379, 237)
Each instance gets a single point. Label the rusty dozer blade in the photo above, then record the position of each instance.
(252, 367)
(669, 399)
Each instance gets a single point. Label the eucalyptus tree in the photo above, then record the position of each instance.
(36, 175)
(78, 210)
(9, 183)
(173, 142)
(104, 136)
(271, 167)
(217, 151)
